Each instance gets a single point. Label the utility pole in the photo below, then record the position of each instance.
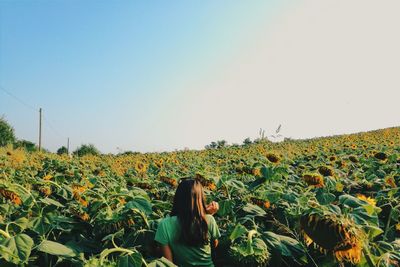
(40, 128)
(68, 146)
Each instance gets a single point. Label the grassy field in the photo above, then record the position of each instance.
(321, 202)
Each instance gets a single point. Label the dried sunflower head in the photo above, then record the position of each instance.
(381, 156)
(314, 179)
(272, 157)
(332, 234)
(326, 171)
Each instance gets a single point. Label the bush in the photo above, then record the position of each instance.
(86, 150)
(62, 150)
(247, 141)
(218, 144)
(27, 145)
(6, 133)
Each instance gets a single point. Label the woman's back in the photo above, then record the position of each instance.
(168, 233)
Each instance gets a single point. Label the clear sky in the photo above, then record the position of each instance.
(164, 75)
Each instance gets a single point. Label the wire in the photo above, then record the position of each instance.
(18, 99)
(47, 122)
(50, 126)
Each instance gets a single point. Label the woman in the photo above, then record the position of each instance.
(187, 235)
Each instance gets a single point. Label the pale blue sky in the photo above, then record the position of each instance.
(163, 75)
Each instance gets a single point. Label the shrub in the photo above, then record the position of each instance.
(85, 150)
(27, 145)
(6, 133)
(62, 150)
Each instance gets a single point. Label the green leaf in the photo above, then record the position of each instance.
(141, 204)
(162, 262)
(20, 246)
(350, 201)
(254, 209)
(50, 201)
(286, 246)
(266, 172)
(133, 260)
(369, 208)
(257, 183)
(237, 232)
(225, 207)
(40, 224)
(57, 249)
(325, 198)
(373, 231)
(22, 222)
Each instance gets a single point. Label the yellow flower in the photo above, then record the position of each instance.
(140, 167)
(84, 216)
(12, 196)
(369, 200)
(257, 172)
(390, 181)
(48, 177)
(122, 201)
(398, 227)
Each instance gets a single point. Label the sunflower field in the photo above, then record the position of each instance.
(331, 201)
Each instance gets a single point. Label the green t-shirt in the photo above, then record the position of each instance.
(168, 234)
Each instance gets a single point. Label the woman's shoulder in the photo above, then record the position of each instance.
(168, 220)
(210, 218)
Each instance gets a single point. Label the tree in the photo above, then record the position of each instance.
(27, 145)
(247, 141)
(85, 150)
(62, 150)
(212, 145)
(218, 144)
(221, 144)
(6, 133)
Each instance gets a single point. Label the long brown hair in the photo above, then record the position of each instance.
(190, 208)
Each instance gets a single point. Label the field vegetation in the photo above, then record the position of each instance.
(331, 201)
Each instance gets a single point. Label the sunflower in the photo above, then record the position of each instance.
(10, 195)
(211, 186)
(332, 158)
(369, 200)
(353, 159)
(272, 157)
(84, 216)
(83, 202)
(314, 179)
(169, 181)
(140, 167)
(390, 181)
(331, 234)
(261, 203)
(143, 185)
(45, 190)
(257, 172)
(341, 164)
(325, 171)
(122, 201)
(48, 177)
(207, 183)
(159, 163)
(381, 156)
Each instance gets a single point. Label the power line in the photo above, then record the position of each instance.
(47, 121)
(50, 126)
(18, 99)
